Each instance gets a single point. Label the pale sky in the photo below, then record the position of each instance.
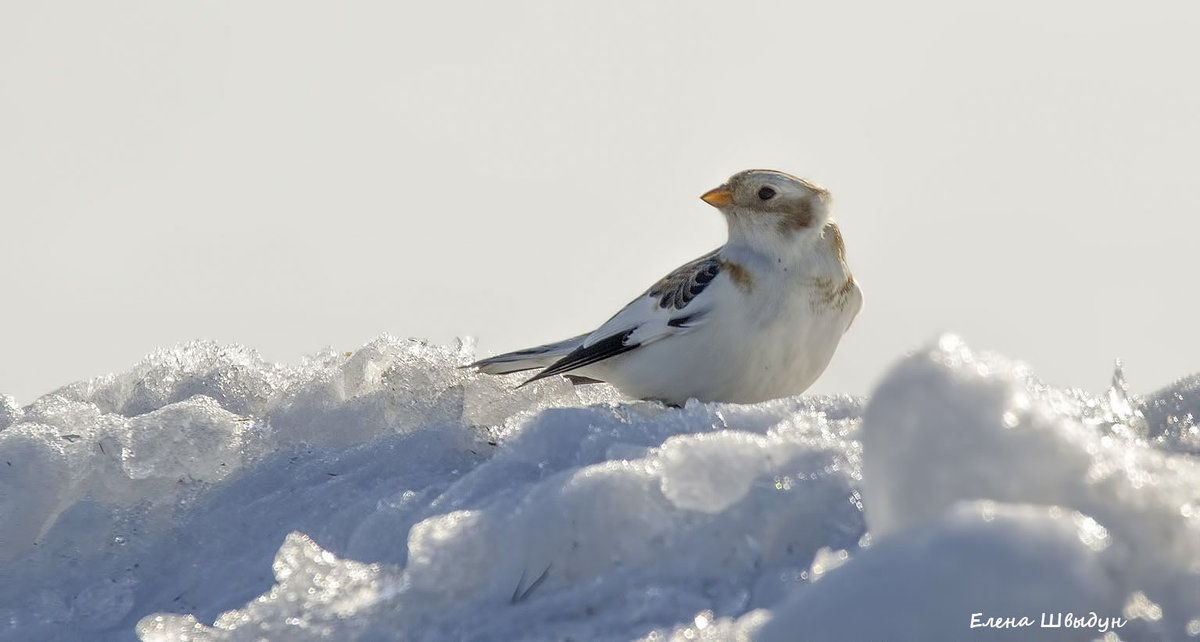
(292, 175)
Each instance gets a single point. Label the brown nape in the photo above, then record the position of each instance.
(797, 218)
(835, 241)
(739, 275)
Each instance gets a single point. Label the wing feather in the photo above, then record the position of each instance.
(678, 288)
(672, 306)
(586, 355)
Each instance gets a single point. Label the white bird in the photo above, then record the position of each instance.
(758, 318)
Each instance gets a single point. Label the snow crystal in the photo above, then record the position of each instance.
(385, 493)
(1173, 415)
(10, 412)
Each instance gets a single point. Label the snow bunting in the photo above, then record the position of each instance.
(758, 318)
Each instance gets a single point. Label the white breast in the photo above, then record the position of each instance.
(773, 341)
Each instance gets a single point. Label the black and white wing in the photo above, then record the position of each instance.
(529, 358)
(674, 305)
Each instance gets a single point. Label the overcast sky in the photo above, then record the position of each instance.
(292, 174)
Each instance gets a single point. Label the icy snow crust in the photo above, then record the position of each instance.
(387, 494)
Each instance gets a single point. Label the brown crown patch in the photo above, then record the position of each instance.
(799, 217)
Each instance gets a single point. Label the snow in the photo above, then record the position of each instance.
(385, 493)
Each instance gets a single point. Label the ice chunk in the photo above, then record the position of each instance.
(320, 593)
(929, 582)
(706, 627)
(35, 482)
(1173, 415)
(558, 522)
(711, 472)
(947, 425)
(417, 500)
(195, 440)
(10, 412)
(446, 553)
(105, 602)
(394, 386)
(235, 376)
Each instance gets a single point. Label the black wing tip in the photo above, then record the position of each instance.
(576, 380)
(536, 377)
(584, 356)
(580, 380)
(687, 320)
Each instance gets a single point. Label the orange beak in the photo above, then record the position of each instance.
(718, 197)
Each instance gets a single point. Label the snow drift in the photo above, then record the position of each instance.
(387, 494)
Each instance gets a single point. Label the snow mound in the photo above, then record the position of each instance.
(388, 494)
(946, 426)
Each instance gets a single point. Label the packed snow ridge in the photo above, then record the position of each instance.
(387, 494)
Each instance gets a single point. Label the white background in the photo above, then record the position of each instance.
(294, 174)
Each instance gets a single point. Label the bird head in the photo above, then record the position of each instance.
(766, 203)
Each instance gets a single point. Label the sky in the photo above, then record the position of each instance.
(292, 175)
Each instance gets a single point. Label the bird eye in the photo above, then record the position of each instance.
(766, 193)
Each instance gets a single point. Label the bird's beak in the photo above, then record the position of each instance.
(718, 197)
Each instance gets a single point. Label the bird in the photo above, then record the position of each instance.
(758, 318)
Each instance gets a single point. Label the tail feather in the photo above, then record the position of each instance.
(528, 359)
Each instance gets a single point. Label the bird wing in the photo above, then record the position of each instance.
(527, 359)
(674, 305)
